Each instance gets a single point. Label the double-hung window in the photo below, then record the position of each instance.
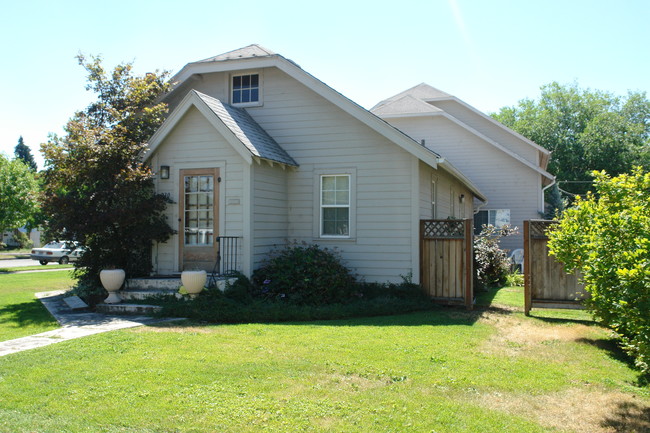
(335, 205)
(245, 89)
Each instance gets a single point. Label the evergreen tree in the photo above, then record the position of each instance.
(23, 152)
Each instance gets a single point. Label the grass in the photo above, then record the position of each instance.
(446, 370)
(33, 268)
(21, 314)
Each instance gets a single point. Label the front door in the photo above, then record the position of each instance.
(198, 218)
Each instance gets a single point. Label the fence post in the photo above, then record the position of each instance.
(469, 265)
(528, 296)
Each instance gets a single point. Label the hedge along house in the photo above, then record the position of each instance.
(257, 149)
(507, 167)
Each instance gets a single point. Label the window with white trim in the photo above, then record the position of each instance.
(335, 205)
(495, 217)
(245, 89)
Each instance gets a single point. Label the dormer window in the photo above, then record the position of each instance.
(246, 89)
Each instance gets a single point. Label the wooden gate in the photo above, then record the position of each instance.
(547, 285)
(446, 260)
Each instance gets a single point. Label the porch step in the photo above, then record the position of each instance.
(128, 309)
(140, 295)
(154, 283)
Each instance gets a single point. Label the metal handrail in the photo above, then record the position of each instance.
(227, 258)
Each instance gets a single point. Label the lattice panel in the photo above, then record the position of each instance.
(447, 229)
(540, 228)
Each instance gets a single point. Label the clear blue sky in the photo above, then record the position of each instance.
(488, 53)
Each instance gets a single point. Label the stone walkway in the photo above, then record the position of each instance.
(73, 324)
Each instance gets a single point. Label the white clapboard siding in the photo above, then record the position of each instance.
(506, 182)
(194, 143)
(323, 139)
(489, 129)
(270, 210)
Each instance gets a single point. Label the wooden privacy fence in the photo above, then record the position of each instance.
(547, 285)
(446, 260)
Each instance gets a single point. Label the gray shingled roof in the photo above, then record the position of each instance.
(405, 105)
(248, 131)
(422, 91)
(253, 50)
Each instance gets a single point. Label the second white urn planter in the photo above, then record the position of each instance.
(194, 281)
(112, 280)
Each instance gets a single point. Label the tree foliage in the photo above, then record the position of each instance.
(18, 193)
(23, 153)
(586, 130)
(96, 188)
(607, 237)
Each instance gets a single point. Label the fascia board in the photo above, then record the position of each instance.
(501, 125)
(193, 100)
(405, 115)
(221, 66)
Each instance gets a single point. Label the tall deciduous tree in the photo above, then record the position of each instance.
(18, 193)
(96, 188)
(586, 130)
(23, 153)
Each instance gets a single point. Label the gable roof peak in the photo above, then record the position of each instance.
(247, 52)
(422, 91)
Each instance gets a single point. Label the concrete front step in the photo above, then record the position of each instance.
(140, 295)
(128, 309)
(166, 283)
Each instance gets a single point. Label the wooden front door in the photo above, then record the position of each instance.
(199, 218)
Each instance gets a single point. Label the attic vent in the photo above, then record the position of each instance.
(422, 142)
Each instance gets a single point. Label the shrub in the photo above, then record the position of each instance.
(605, 236)
(22, 239)
(304, 274)
(490, 261)
(515, 279)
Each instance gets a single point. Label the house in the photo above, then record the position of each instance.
(507, 167)
(257, 149)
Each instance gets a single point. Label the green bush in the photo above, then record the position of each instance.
(303, 274)
(235, 306)
(607, 237)
(22, 239)
(490, 261)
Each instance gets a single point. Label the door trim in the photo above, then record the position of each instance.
(214, 171)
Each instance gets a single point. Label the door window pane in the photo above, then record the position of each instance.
(199, 213)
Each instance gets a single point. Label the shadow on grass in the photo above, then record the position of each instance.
(31, 313)
(629, 417)
(611, 347)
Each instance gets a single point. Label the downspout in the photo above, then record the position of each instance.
(541, 205)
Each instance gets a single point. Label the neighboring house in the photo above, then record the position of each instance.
(507, 167)
(255, 147)
(9, 239)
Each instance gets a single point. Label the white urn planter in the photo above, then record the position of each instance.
(194, 281)
(112, 280)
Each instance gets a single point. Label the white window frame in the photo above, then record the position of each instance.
(347, 206)
(494, 213)
(259, 89)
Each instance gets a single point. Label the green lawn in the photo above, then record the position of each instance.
(21, 314)
(445, 370)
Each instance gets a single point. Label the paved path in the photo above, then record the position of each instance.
(17, 263)
(73, 325)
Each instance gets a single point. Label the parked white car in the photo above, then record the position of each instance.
(62, 252)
